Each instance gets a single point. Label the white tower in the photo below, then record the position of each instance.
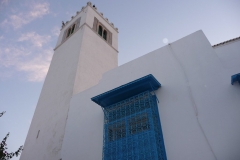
(87, 47)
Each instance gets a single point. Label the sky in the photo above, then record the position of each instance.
(29, 30)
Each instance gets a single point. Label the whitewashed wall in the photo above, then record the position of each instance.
(96, 57)
(199, 108)
(228, 54)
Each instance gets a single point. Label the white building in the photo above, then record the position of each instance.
(175, 103)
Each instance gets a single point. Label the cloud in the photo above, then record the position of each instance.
(3, 2)
(10, 55)
(1, 37)
(39, 10)
(56, 31)
(31, 60)
(34, 38)
(37, 68)
(34, 62)
(18, 20)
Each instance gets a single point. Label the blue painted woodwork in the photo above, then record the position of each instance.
(235, 78)
(132, 128)
(146, 83)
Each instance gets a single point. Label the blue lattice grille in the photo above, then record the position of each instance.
(132, 130)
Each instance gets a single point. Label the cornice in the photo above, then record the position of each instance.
(95, 9)
(226, 42)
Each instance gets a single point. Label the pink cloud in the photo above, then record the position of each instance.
(22, 18)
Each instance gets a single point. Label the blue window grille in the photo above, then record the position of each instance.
(132, 128)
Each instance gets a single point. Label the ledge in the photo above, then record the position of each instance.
(146, 83)
(95, 9)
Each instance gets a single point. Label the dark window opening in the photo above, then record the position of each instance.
(69, 32)
(139, 124)
(105, 34)
(116, 131)
(73, 27)
(133, 107)
(100, 30)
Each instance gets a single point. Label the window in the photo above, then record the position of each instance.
(138, 124)
(73, 27)
(71, 30)
(132, 128)
(133, 125)
(102, 31)
(117, 131)
(105, 34)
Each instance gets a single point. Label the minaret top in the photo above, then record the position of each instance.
(94, 8)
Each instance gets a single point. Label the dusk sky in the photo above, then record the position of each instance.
(29, 30)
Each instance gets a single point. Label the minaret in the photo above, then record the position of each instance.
(87, 47)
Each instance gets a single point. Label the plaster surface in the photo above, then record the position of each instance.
(96, 57)
(199, 108)
(51, 111)
(228, 54)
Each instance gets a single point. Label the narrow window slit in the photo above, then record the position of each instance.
(38, 134)
(73, 27)
(100, 30)
(69, 32)
(105, 34)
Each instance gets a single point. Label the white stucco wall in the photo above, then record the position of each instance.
(77, 64)
(199, 108)
(228, 54)
(96, 57)
(52, 108)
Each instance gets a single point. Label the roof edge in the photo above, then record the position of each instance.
(231, 40)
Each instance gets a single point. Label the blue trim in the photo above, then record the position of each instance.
(235, 78)
(146, 83)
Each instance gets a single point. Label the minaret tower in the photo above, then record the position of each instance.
(87, 47)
